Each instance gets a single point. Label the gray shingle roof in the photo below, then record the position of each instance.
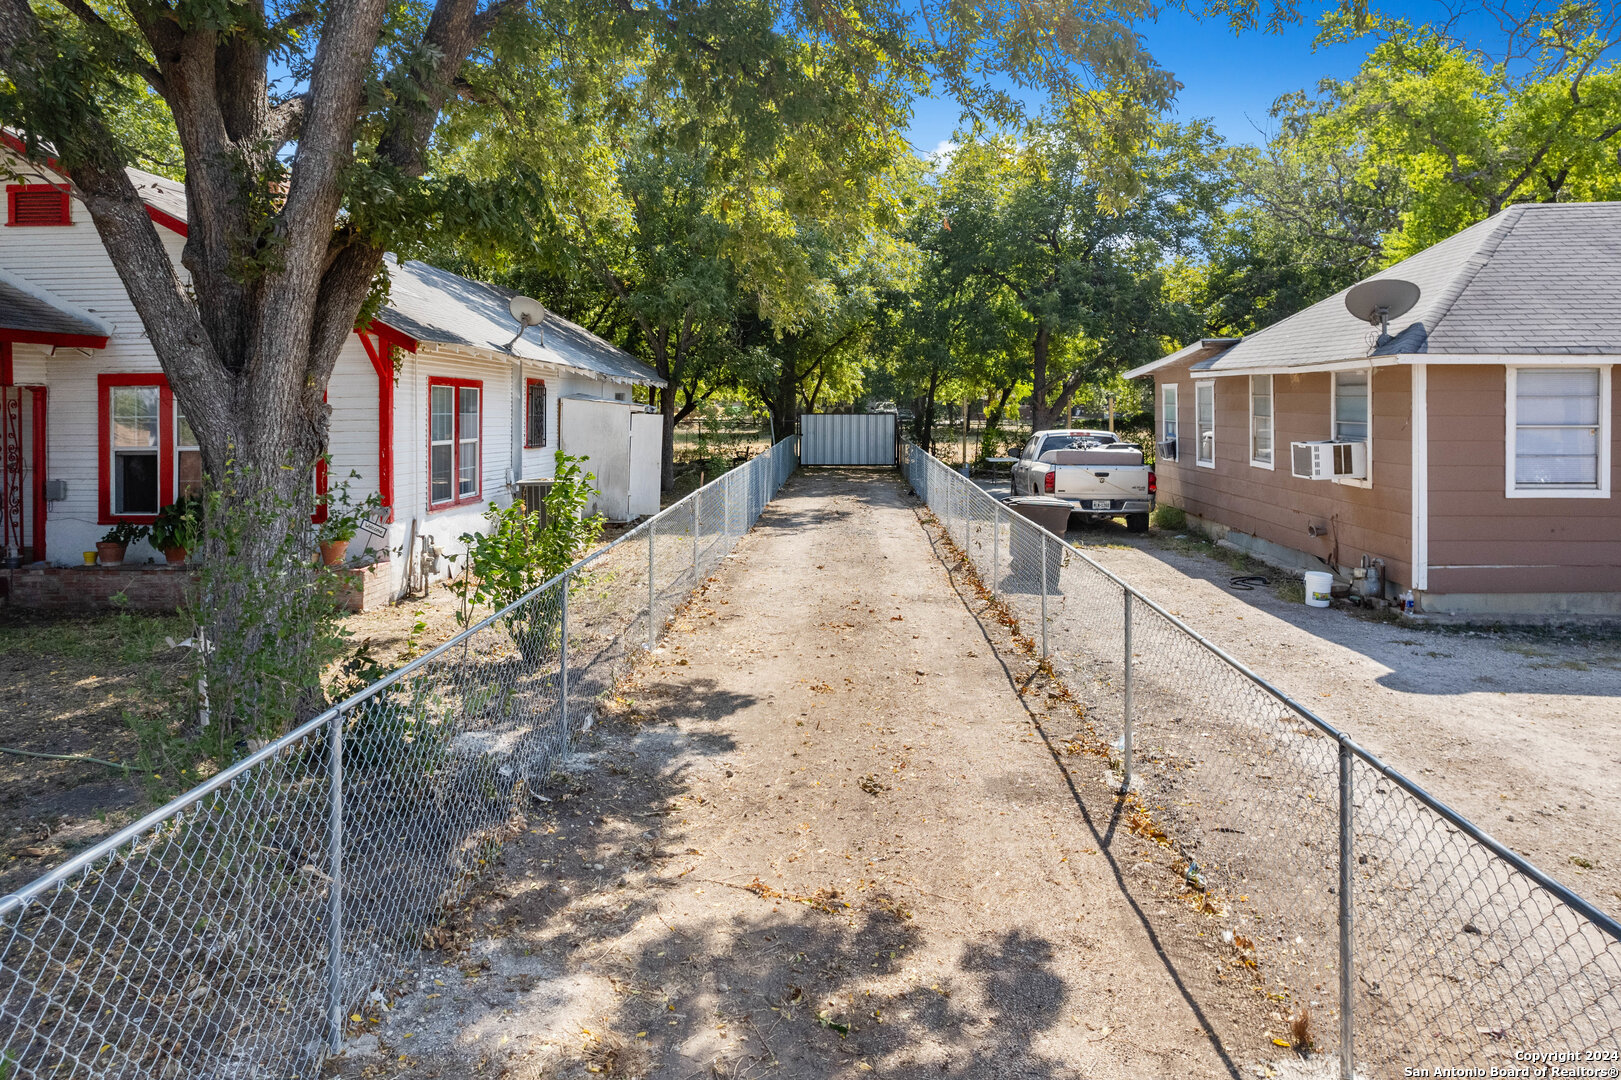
(1203, 352)
(159, 192)
(26, 307)
(434, 305)
(1534, 279)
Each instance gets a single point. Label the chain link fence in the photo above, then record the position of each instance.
(1415, 935)
(234, 932)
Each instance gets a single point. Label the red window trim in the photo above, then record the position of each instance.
(14, 190)
(456, 444)
(527, 383)
(104, 425)
(166, 449)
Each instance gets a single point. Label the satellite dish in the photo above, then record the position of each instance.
(529, 313)
(1380, 300)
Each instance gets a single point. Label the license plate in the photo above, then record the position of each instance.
(1099, 504)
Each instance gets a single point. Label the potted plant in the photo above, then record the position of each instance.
(176, 530)
(343, 518)
(115, 541)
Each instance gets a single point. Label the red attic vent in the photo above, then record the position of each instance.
(37, 204)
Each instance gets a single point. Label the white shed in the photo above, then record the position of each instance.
(623, 443)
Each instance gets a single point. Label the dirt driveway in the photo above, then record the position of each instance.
(829, 830)
(1520, 730)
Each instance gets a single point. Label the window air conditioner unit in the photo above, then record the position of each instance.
(1328, 460)
(1165, 449)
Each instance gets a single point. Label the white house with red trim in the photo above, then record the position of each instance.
(434, 405)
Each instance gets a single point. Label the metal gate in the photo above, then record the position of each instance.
(847, 439)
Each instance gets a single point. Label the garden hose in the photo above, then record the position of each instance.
(66, 757)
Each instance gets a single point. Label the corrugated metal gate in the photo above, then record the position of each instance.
(847, 439)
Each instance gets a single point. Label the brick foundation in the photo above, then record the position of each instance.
(92, 588)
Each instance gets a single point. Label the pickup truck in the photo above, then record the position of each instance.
(1096, 474)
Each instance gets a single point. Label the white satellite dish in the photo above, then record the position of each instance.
(529, 313)
(1380, 300)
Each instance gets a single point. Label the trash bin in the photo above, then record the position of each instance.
(1050, 513)
(1025, 562)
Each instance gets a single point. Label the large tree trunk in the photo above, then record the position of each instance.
(275, 285)
(1042, 414)
(667, 410)
(784, 413)
(925, 417)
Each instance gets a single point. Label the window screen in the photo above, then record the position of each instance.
(1261, 418)
(1167, 423)
(1204, 419)
(1350, 406)
(467, 432)
(135, 449)
(1556, 428)
(442, 442)
(188, 457)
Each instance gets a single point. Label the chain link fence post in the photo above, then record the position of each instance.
(1043, 595)
(1125, 749)
(996, 542)
(1347, 1055)
(562, 660)
(334, 915)
(695, 497)
(652, 591)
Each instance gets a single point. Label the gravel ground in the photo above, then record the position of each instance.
(838, 824)
(1518, 729)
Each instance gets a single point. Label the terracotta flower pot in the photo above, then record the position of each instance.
(332, 552)
(175, 555)
(110, 554)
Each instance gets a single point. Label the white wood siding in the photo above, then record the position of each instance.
(71, 263)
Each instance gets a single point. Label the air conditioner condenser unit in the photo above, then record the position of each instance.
(1329, 460)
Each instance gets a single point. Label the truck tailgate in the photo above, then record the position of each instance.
(1100, 482)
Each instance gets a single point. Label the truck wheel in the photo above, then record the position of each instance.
(1137, 523)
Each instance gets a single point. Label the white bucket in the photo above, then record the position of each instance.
(1318, 584)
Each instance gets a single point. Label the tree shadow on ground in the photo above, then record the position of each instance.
(723, 979)
(1101, 816)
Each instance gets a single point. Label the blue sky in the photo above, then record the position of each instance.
(1232, 79)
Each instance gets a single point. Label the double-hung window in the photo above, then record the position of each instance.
(137, 442)
(1350, 406)
(1204, 420)
(1167, 420)
(1558, 432)
(188, 456)
(455, 423)
(1261, 421)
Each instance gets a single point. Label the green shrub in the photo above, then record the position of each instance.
(179, 525)
(1170, 518)
(517, 555)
